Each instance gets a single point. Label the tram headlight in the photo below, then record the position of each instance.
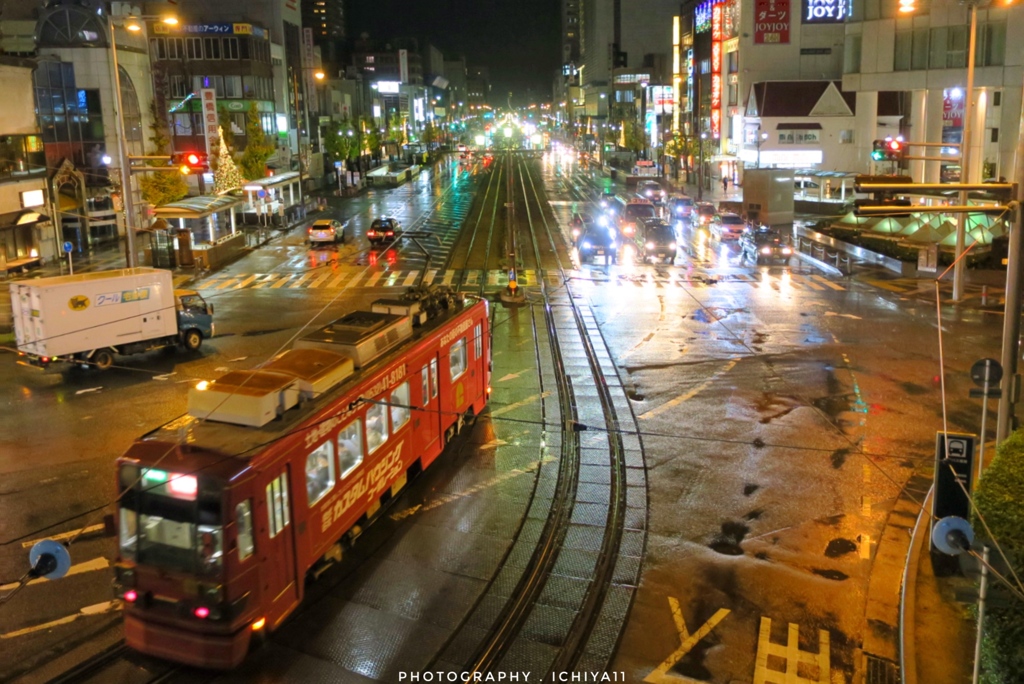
(672, 246)
(649, 245)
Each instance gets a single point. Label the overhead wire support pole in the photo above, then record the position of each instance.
(959, 264)
(122, 153)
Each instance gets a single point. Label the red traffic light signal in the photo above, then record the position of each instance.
(188, 162)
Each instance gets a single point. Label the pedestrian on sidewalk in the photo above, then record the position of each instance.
(725, 184)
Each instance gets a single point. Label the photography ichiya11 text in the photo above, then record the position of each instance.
(515, 676)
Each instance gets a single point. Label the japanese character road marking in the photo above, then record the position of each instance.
(793, 657)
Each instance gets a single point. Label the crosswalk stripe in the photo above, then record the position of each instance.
(282, 282)
(229, 281)
(828, 283)
(429, 276)
(803, 280)
(298, 283)
(334, 283)
(410, 279)
(245, 282)
(373, 279)
(448, 276)
(266, 280)
(319, 281)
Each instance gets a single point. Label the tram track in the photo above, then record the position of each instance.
(470, 252)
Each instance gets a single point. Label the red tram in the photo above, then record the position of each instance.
(224, 511)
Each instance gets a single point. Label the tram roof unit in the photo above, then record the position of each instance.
(230, 415)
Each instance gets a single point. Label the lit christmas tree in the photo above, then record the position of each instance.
(226, 176)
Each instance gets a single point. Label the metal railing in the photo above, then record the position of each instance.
(842, 263)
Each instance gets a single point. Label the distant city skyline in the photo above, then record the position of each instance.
(519, 41)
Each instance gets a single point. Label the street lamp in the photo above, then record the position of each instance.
(318, 75)
(700, 165)
(131, 24)
(761, 138)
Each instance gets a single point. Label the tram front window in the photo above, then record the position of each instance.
(168, 520)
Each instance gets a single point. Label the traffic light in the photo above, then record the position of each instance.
(188, 162)
(878, 150)
(894, 149)
(890, 149)
(882, 202)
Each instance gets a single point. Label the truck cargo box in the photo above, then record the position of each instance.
(768, 196)
(76, 313)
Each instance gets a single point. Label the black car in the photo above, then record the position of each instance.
(597, 243)
(765, 246)
(659, 241)
(607, 200)
(384, 230)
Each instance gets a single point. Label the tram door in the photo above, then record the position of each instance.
(280, 590)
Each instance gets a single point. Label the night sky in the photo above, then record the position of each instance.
(518, 40)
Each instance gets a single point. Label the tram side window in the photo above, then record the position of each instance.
(425, 379)
(243, 527)
(376, 426)
(457, 358)
(399, 406)
(478, 342)
(433, 378)
(277, 504)
(350, 448)
(320, 472)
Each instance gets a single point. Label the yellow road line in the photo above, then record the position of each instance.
(66, 535)
(98, 609)
(692, 393)
(88, 566)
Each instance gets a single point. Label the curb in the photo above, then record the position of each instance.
(821, 265)
(908, 596)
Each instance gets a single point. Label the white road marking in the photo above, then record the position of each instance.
(98, 609)
(66, 535)
(828, 283)
(298, 283)
(865, 547)
(280, 283)
(520, 404)
(373, 279)
(844, 315)
(88, 566)
(410, 279)
(245, 282)
(692, 393)
(686, 643)
(91, 389)
(793, 657)
(511, 376)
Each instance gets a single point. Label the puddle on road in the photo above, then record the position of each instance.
(831, 574)
(838, 457)
(754, 514)
(840, 547)
(749, 489)
(728, 541)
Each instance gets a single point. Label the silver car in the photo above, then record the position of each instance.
(326, 231)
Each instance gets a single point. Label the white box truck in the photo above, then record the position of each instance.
(768, 197)
(88, 318)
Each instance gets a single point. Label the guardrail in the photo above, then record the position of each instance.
(819, 241)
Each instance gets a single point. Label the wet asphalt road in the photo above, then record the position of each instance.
(755, 395)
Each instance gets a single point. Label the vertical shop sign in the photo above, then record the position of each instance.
(771, 22)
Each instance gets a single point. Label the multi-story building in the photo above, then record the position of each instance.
(26, 234)
(478, 86)
(924, 55)
(327, 20)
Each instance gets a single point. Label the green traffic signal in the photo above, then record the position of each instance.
(878, 155)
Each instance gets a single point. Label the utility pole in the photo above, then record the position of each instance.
(1010, 384)
(960, 267)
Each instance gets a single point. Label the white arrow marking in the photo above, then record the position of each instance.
(687, 642)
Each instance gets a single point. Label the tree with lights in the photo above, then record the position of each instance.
(226, 176)
(161, 187)
(257, 149)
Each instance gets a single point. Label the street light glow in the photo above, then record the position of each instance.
(319, 75)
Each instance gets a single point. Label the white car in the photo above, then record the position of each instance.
(326, 231)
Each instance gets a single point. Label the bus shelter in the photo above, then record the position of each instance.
(205, 229)
(273, 201)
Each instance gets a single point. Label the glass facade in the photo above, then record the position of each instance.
(70, 121)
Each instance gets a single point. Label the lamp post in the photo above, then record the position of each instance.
(318, 75)
(700, 165)
(965, 157)
(761, 138)
(131, 24)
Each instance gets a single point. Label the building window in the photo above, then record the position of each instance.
(997, 98)
(175, 48)
(911, 50)
(733, 59)
(178, 86)
(232, 87)
(183, 124)
(851, 55)
(22, 156)
(734, 94)
(157, 48)
(211, 47)
(949, 47)
(846, 137)
(230, 48)
(369, 59)
(194, 48)
(249, 87)
(243, 48)
(991, 45)
(995, 135)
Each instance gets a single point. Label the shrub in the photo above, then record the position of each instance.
(1000, 500)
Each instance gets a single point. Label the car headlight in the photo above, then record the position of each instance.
(586, 244)
(766, 250)
(650, 245)
(603, 221)
(575, 232)
(612, 245)
(672, 245)
(787, 251)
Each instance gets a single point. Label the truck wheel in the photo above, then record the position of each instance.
(192, 340)
(103, 359)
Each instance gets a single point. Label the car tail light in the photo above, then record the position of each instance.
(45, 359)
(259, 624)
(131, 596)
(309, 230)
(371, 233)
(201, 612)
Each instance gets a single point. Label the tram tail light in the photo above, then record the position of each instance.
(488, 389)
(259, 624)
(131, 596)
